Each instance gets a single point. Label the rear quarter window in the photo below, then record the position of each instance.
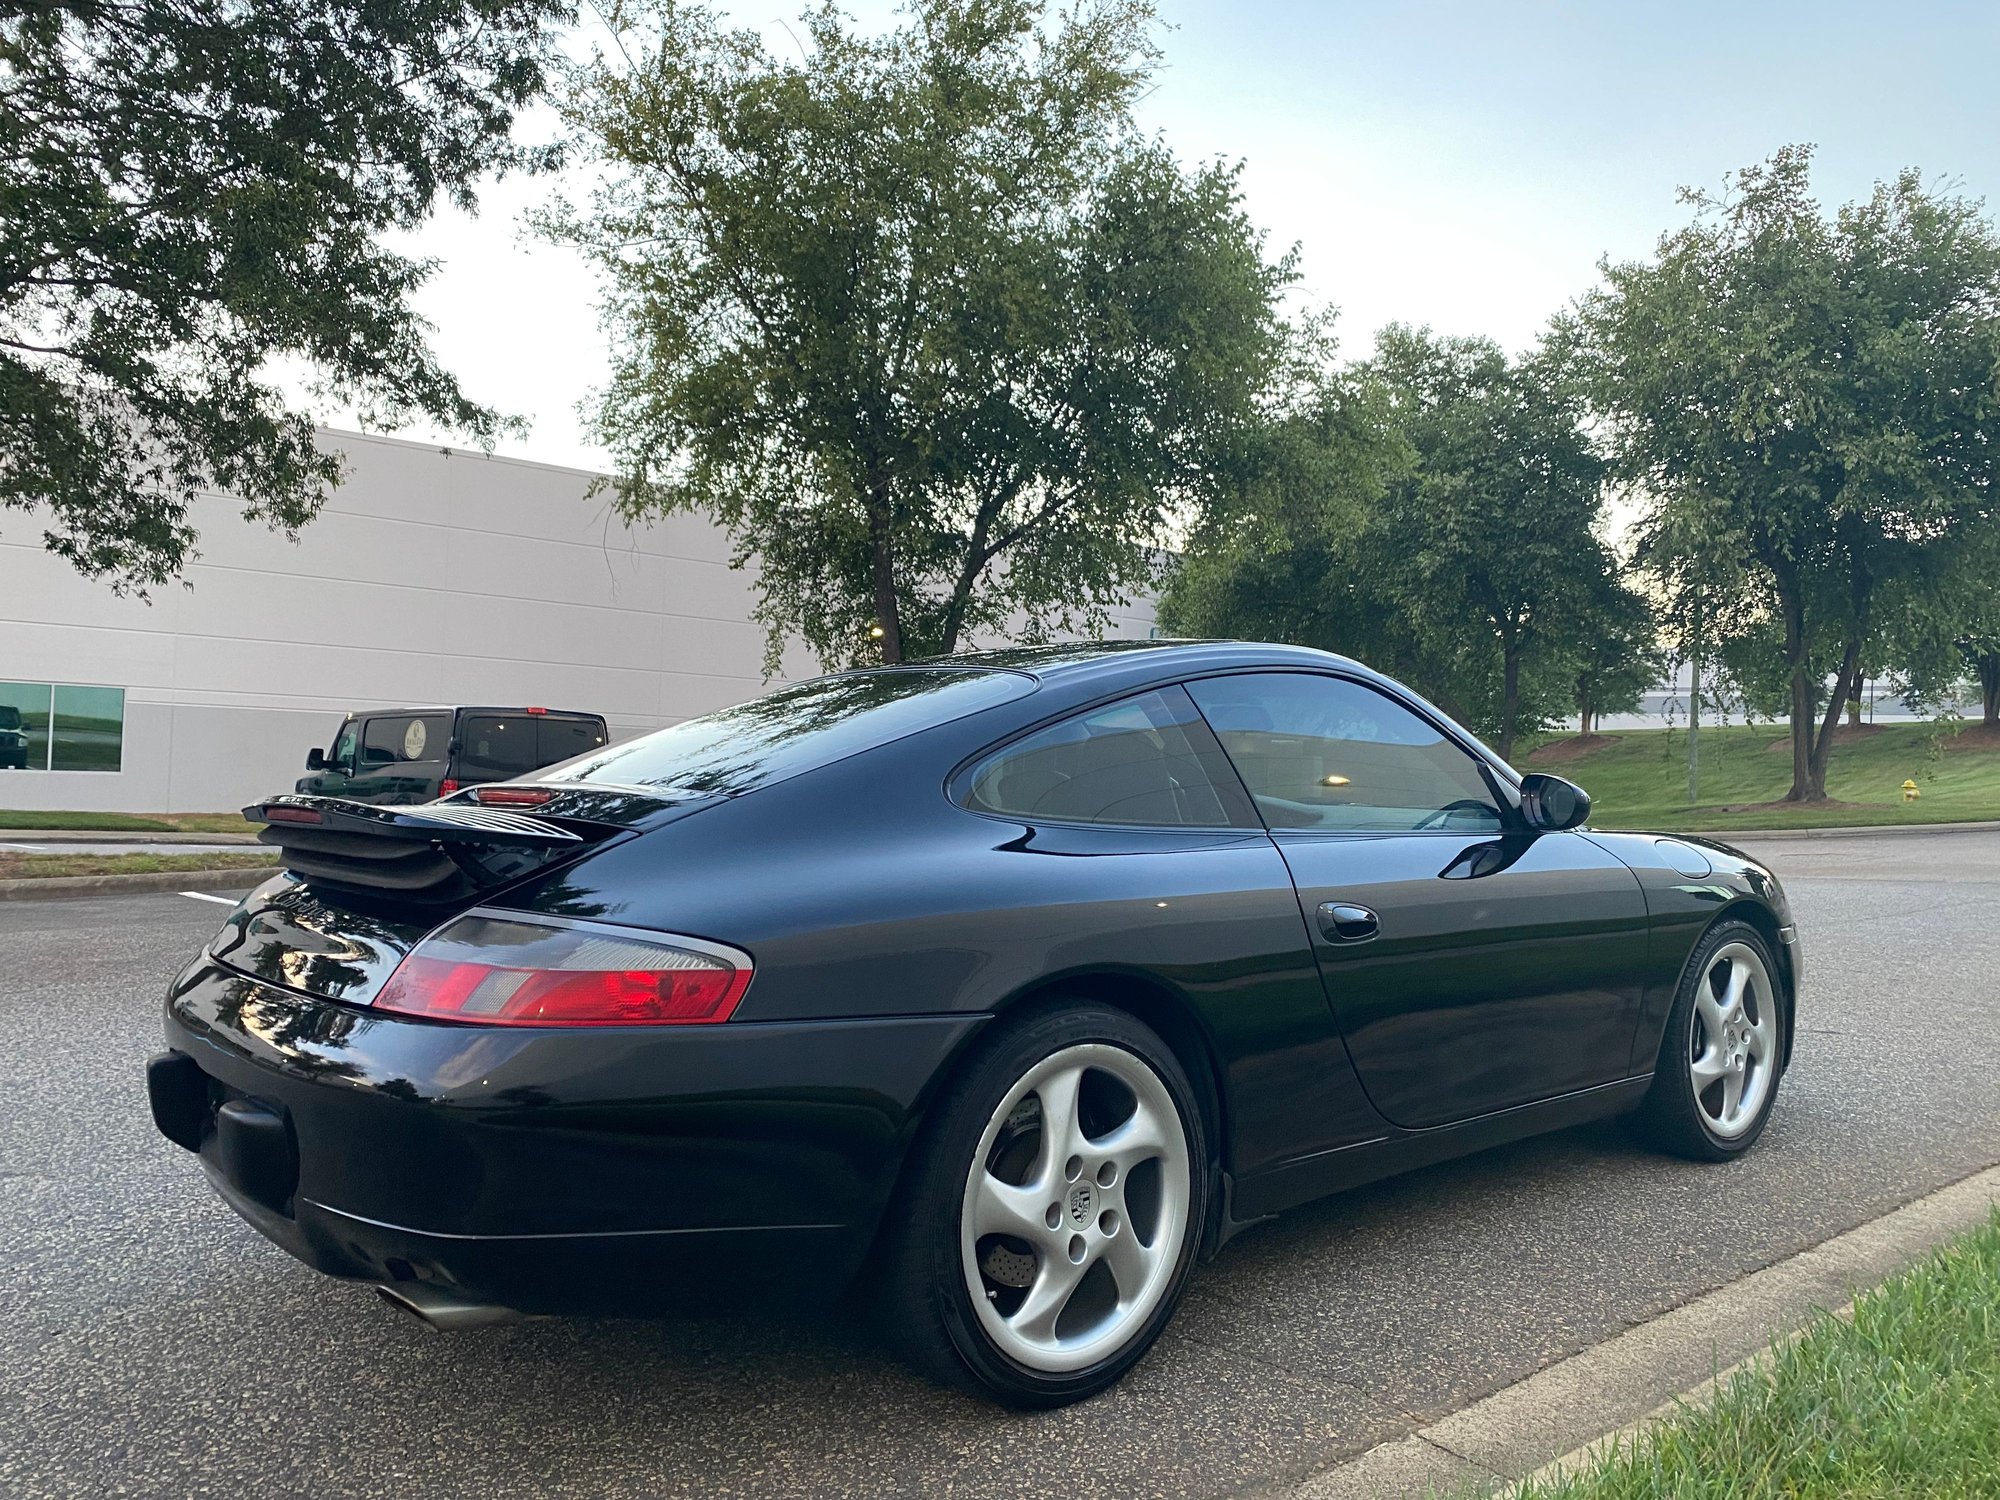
(1147, 761)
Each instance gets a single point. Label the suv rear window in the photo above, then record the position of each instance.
(561, 739)
(798, 728)
(494, 747)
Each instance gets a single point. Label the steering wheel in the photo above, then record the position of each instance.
(1463, 804)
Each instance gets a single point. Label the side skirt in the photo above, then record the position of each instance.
(1305, 1178)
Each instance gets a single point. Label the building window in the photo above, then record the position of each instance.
(61, 726)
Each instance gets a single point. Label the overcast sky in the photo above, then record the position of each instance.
(1463, 165)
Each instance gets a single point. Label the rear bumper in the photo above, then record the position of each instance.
(551, 1171)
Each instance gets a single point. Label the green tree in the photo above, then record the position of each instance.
(1614, 652)
(1279, 553)
(1947, 626)
(193, 190)
(1488, 544)
(1815, 395)
(944, 341)
(1431, 512)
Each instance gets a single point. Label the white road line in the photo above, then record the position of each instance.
(28, 848)
(204, 896)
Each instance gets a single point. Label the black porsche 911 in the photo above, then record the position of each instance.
(1019, 980)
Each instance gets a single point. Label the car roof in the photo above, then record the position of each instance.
(1069, 660)
(470, 708)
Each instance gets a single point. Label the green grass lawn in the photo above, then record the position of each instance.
(1639, 778)
(44, 866)
(128, 822)
(1904, 1400)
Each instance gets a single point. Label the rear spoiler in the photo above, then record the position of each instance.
(437, 852)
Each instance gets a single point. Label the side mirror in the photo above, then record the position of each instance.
(315, 759)
(1551, 804)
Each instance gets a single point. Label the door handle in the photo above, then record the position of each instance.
(1344, 922)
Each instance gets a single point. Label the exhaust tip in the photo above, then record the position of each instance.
(442, 1310)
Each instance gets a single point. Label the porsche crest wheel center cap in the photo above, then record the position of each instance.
(1081, 1199)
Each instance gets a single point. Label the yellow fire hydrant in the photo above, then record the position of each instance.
(1910, 792)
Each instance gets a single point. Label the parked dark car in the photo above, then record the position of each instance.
(405, 755)
(1023, 980)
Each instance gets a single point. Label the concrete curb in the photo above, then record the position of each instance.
(1613, 1389)
(114, 836)
(58, 887)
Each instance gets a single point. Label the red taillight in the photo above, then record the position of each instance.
(292, 815)
(513, 796)
(447, 786)
(534, 710)
(507, 972)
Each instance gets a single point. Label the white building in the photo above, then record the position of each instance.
(434, 576)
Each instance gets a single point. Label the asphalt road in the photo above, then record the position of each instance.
(150, 1344)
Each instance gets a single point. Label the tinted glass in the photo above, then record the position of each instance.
(404, 737)
(797, 728)
(559, 739)
(495, 747)
(24, 726)
(1148, 761)
(89, 729)
(345, 744)
(1320, 752)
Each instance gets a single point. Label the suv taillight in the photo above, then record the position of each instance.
(495, 970)
(447, 786)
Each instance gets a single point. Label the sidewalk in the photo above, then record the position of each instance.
(137, 837)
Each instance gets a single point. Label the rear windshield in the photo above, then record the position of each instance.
(798, 728)
(495, 747)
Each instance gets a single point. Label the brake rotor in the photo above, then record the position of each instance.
(1008, 1267)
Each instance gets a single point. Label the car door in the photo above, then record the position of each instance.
(338, 766)
(1130, 845)
(1473, 965)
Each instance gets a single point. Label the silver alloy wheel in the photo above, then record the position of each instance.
(1097, 1196)
(1733, 1048)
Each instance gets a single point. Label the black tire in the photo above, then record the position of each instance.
(1672, 1117)
(922, 1292)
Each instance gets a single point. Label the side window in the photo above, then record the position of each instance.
(1146, 761)
(1321, 752)
(496, 747)
(404, 737)
(344, 746)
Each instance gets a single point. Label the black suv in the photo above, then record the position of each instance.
(419, 754)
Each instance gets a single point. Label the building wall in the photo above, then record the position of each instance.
(433, 576)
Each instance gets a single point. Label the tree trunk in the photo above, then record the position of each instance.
(1854, 708)
(1988, 667)
(882, 549)
(1844, 685)
(1802, 698)
(1510, 699)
